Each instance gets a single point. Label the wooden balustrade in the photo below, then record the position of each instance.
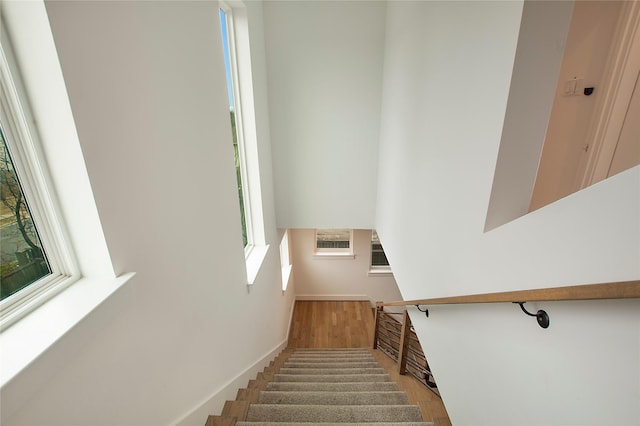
(397, 339)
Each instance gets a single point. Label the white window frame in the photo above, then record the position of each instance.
(285, 260)
(242, 87)
(34, 334)
(238, 112)
(337, 253)
(26, 153)
(377, 270)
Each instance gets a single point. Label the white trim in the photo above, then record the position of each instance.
(215, 401)
(285, 260)
(255, 261)
(23, 143)
(331, 297)
(286, 277)
(380, 271)
(32, 41)
(328, 255)
(621, 75)
(377, 270)
(242, 87)
(33, 335)
(337, 298)
(239, 118)
(338, 252)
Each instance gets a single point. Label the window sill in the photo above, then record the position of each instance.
(34, 334)
(255, 259)
(380, 271)
(333, 255)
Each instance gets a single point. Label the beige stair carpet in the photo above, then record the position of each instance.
(332, 387)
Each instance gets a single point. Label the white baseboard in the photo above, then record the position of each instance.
(215, 402)
(350, 297)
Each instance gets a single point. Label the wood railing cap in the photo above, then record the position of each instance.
(602, 291)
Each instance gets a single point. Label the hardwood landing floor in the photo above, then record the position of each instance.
(349, 324)
(331, 324)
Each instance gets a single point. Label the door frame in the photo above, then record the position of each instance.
(619, 82)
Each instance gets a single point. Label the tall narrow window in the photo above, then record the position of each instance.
(22, 258)
(285, 259)
(234, 23)
(378, 257)
(235, 114)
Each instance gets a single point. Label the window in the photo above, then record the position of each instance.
(336, 242)
(34, 260)
(235, 113)
(22, 259)
(378, 258)
(285, 259)
(237, 59)
(379, 261)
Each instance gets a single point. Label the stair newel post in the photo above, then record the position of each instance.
(402, 355)
(376, 325)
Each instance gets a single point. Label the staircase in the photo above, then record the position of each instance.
(322, 387)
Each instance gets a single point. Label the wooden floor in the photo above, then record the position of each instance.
(334, 324)
(341, 324)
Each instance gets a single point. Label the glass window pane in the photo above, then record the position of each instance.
(22, 260)
(378, 258)
(226, 47)
(333, 238)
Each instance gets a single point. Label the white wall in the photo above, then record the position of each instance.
(325, 74)
(439, 145)
(542, 37)
(585, 56)
(147, 90)
(322, 278)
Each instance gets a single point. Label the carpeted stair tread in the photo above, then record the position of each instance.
(331, 353)
(332, 387)
(299, 350)
(333, 378)
(321, 371)
(334, 424)
(337, 360)
(334, 414)
(333, 398)
(358, 364)
(334, 352)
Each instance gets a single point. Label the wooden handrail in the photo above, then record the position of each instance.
(616, 290)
